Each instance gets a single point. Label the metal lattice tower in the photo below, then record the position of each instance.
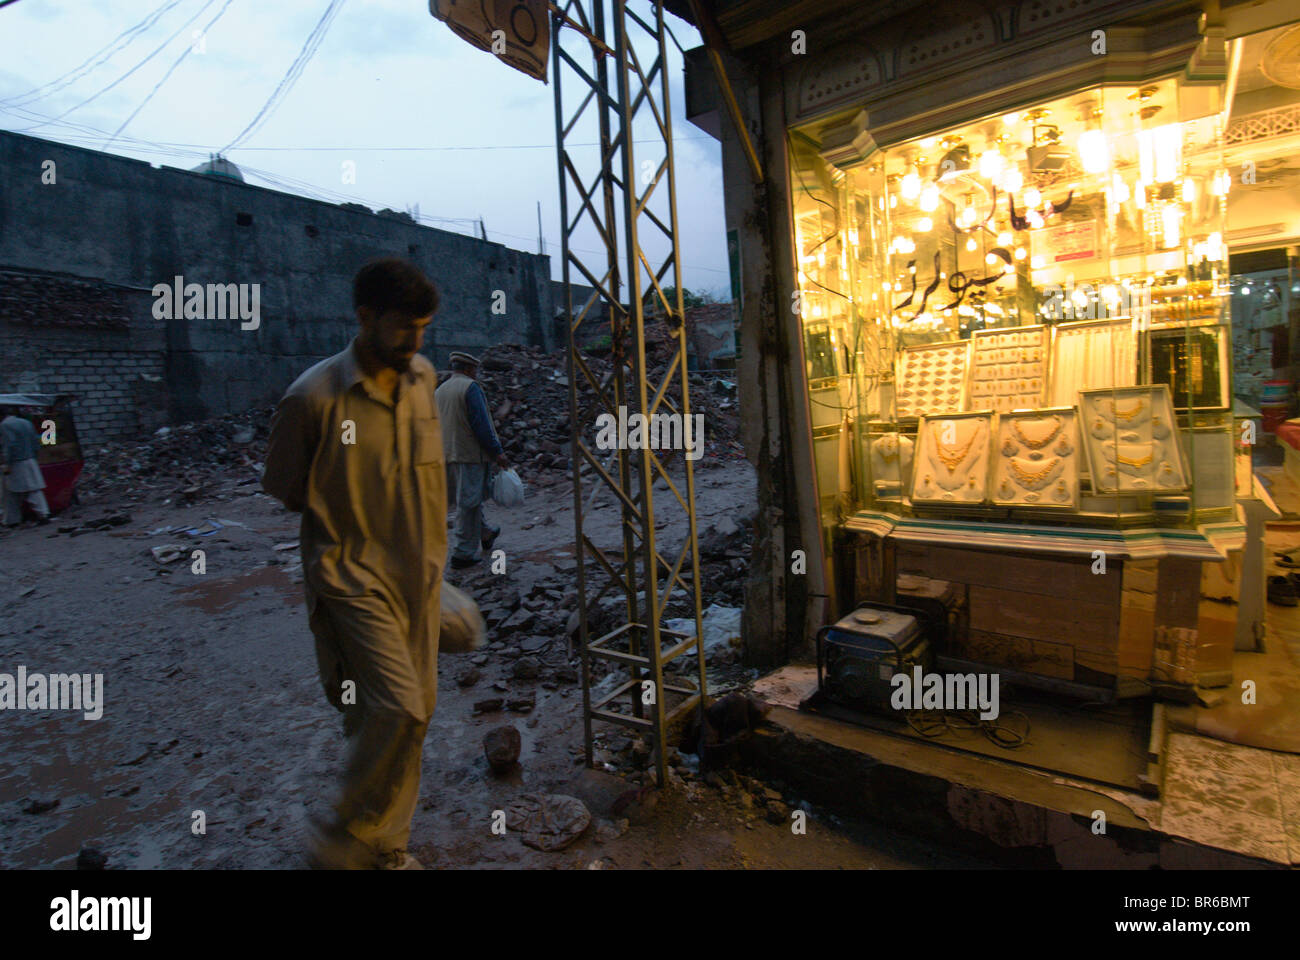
(632, 210)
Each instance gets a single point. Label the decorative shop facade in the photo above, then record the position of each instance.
(987, 328)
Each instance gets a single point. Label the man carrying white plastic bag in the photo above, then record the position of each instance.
(471, 445)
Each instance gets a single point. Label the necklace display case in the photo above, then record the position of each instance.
(1036, 459)
(1132, 440)
(952, 460)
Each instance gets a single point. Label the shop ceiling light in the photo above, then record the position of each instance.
(1005, 238)
(1094, 151)
(1170, 221)
(929, 198)
(1119, 189)
(991, 164)
(1011, 180)
(911, 186)
(924, 225)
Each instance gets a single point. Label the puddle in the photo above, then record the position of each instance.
(217, 595)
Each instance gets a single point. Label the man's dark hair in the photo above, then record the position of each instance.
(394, 284)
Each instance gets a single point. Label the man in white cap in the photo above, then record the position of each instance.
(470, 445)
(23, 482)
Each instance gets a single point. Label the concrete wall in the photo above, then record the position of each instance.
(136, 225)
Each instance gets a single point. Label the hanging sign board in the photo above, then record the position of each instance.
(517, 31)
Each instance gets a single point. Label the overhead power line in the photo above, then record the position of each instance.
(120, 42)
(170, 70)
(157, 50)
(291, 76)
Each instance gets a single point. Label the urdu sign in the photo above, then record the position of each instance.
(517, 31)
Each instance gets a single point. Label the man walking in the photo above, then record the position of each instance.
(23, 482)
(356, 447)
(470, 444)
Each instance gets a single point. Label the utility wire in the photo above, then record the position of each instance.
(170, 70)
(157, 50)
(120, 42)
(291, 76)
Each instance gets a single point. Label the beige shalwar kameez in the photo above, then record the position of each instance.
(374, 545)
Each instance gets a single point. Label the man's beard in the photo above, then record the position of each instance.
(385, 356)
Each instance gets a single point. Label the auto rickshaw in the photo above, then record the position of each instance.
(60, 461)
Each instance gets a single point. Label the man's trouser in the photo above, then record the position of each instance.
(467, 485)
(386, 712)
(14, 499)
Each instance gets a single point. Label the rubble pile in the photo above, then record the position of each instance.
(526, 387)
(189, 463)
(528, 390)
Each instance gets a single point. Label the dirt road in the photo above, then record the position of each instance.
(212, 704)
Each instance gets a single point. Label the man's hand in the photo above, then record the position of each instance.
(502, 462)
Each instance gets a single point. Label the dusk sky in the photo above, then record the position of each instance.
(426, 118)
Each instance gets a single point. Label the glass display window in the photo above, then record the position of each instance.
(1034, 267)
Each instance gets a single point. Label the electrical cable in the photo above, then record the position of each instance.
(965, 724)
(165, 76)
(120, 42)
(309, 48)
(157, 50)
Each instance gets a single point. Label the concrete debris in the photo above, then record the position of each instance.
(501, 746)
(91, 859)
(168, 552)
(548, 821)
(40, 804)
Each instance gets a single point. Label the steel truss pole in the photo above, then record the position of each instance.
(645, 700)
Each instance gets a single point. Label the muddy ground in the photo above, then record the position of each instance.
(212, 702)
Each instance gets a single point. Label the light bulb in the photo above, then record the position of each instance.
(924, 225)
(1035, 219)
(971, 245)
(991, 164)
(1119, 189)
(991, 258)
(1094, 151)
(1020, 253)
(1032, 197)
(1038, 262)
(893, 201)
(1170, 218)
(1246, 291)
(1189, 190)
(911, 186)
(1012, 181)
(929, 197)
(1004, 238)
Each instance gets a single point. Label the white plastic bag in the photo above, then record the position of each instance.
(460, 625)
(507, 488)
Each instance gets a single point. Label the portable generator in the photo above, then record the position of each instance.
(858, 655)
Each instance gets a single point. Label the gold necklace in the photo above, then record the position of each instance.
(952, 460)
(1035, 444)
(1125, 416)
(1134, 463)
(1027, 477)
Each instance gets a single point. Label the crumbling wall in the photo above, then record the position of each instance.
(81, 212)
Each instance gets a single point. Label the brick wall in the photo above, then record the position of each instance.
(96, 341)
